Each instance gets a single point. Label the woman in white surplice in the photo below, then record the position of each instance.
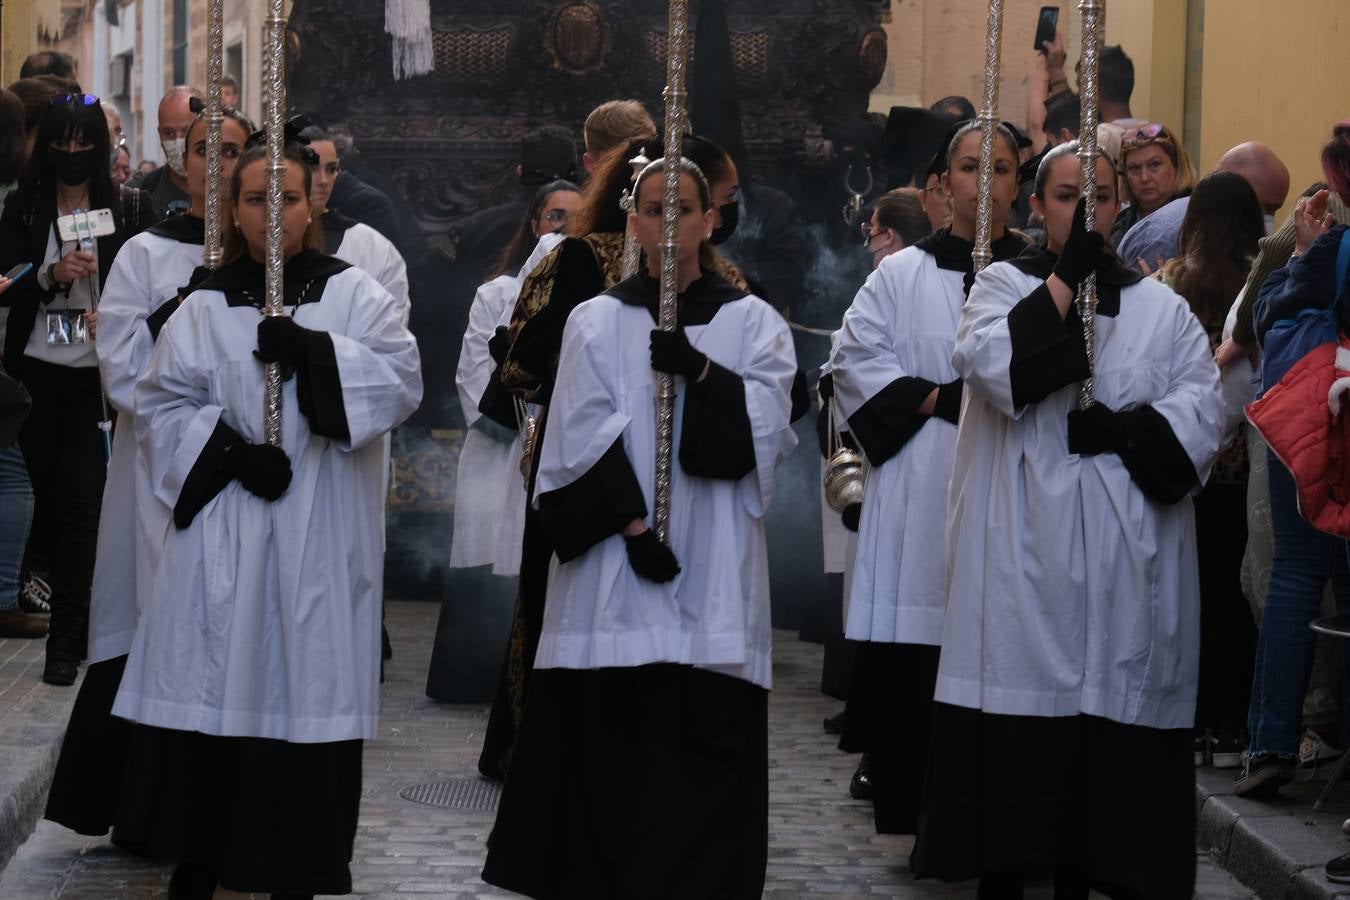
(1066, 688)
(489, 490)
(641, 769)
(141, 293)
(253, 675)
(895, 386)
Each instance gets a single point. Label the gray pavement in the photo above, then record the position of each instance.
(821, 842)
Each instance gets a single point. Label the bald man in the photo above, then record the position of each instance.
(167, 185)
(1153, 239)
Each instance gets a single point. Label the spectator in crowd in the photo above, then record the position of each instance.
(1157, 170)
(121, 168)
(229, 92)
(1305, 558)
(53, 355)
(360, 192)
(145, 167)
(167, 185)
(1219, 234)
(1153, 240)
(1063, 113)
(13, 145)
(16, 494)
(36, 94)
(612, 124)
(116, 135)
(48, 62)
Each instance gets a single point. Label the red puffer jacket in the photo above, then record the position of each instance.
(1302, 420)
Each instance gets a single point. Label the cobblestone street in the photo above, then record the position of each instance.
(821, 842)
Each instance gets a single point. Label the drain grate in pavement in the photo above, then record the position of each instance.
(476, 794)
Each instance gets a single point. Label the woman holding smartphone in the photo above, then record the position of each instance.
(48, 347)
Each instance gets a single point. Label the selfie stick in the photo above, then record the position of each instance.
(86, 241)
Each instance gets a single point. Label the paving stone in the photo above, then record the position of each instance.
(821, 842)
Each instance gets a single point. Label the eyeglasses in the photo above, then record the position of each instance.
(80, 99)
(868, 232)
(1144, 135)
(557, 216)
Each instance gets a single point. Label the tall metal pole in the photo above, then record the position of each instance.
(676, 52)
(1093, 12)
(215, 119)
(276, 172)
(983, 254)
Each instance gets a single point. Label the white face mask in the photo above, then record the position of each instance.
(173, 155)
(1270, 223)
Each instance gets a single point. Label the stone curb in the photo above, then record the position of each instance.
(1277, 848)
(30, 742)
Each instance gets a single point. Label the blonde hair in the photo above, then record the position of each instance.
(1176, 152)
(616, 122)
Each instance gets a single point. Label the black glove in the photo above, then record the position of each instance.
(498, 344)
(263, 470)
(851, 515)
(1083, 252)
(673, 354)
(280, 340)
(825, 387)
(650, 558)
(1095, 430)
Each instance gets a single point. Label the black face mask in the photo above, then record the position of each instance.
(73, 168)
(731, 217)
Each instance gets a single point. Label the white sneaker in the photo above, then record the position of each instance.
(1313, 753)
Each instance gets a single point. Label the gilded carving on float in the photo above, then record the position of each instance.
(471, 53)
(578, 38)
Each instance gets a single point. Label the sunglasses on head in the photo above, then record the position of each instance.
(1144, 134)
(80, 99)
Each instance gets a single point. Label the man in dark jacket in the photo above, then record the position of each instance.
(167, 185)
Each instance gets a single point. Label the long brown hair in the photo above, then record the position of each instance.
(1218, 240)
(516, 252)
(234, 246)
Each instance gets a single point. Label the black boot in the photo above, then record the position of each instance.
(63, 652)
(860, 786)
(192, 881)
(1000, 887)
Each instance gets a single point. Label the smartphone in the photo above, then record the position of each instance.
(1046, 26)
(86, 224)
(18, 272)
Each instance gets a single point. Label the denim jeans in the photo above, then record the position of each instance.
(16, 514)
(1304, 559)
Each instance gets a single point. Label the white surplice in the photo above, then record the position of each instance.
(264, 620)
(715, 614)
(146, 274)
(1071, 591)
(901, 324)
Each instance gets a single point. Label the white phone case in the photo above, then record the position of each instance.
(85, 225)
